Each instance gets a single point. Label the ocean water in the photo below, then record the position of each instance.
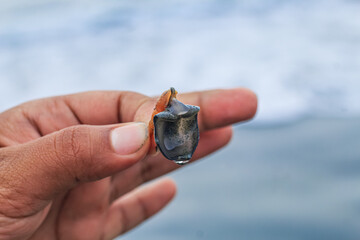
(291, 182)
(292, 173)
(300, 57)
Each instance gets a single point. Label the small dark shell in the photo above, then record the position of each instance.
(177, 132)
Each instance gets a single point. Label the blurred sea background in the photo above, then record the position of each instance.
(291, 173)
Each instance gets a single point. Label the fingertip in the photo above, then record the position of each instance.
(166, 189)
(170, 185)
(226, 133)
(124, 146)
(252, 101)
(242, 102)
(223, 107)
(124, 162)
(128, 138)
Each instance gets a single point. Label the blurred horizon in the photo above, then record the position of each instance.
(302, 58)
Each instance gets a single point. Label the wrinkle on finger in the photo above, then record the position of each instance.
(50, 114)
(16, 127)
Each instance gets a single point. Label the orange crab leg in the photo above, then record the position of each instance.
(160, 106)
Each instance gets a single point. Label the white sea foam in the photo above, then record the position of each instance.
(300, 57)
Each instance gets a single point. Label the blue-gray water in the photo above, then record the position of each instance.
(298, 181)
(293, 173)
(301, 57)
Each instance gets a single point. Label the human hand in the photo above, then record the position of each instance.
(71, 166)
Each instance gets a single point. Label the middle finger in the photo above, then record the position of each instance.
(219, 108)
(155, 166)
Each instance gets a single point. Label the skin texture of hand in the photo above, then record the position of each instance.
(71, 167)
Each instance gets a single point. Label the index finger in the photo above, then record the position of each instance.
(223, 107)
(218, 108)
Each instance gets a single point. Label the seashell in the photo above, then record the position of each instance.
(175, 125)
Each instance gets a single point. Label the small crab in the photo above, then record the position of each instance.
(174, 127)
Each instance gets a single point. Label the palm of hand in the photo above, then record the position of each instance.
(103, 208)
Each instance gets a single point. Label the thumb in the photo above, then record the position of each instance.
(54, 163)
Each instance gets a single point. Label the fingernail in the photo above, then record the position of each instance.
(129, 138)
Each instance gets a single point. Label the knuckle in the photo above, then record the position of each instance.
(73, 144)
(13, 201)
